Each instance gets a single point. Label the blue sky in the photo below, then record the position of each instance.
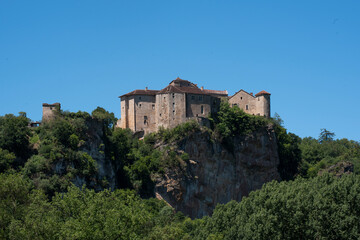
(85, 54)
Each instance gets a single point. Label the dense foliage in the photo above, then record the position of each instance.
(26, 213)
(233, 121)
(321, 153)
(323, 207)
(39, 166)
(319, 208)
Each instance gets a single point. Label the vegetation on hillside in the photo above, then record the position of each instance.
(38, 167)
(318, 208)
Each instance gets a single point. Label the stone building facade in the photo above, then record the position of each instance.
(49, 111)
(147, 110)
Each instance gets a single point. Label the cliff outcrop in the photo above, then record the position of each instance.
(217, 172)
(214, 171)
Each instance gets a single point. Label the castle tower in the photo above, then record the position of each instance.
(263, 103)
(49, 111)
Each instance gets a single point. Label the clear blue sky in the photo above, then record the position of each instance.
(85, 54)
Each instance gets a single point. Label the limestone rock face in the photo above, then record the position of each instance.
(218, 172)
(95, 147)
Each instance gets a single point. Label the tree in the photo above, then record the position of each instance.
(106, 117)
(14, 135)
(326, 136)
(6, 159)
(277, 119)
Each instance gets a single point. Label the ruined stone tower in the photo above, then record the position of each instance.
(49, 111)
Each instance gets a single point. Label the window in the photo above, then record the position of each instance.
(200, 98)
(241, 98)
(145, 120)
(202, 109)
(139, 98)
(153, 106)
(247, 107)
(173, 95)
(235, 104)
(192, 97)
(174, 107)
(139, 105)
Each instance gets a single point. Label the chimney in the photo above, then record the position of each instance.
(251, 94)
(202, 88)
(146, 88)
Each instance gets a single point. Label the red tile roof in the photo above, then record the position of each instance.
(179, 80)
(193, 89)
(171, 88)
(175, 89)
(141, 92)
(215, 92)
(262, 93)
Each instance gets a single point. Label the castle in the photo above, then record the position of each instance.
(146, 110)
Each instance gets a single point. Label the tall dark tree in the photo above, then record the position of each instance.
(326, 136)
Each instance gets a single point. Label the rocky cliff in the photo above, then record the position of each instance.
(215, 172)
(218, 172)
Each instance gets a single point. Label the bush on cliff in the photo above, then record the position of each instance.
(232, 121)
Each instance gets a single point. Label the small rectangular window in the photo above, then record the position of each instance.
(153, 106)
(139, 98)
(200, 98)
(192, 97)
(202, 109)
(247, 107)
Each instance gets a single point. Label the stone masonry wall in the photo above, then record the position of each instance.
(246, 102)
(145, 113)
(170, 109)
(197, 105)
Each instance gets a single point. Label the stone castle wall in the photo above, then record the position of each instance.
(145, 114)
(147, 110)
(170, 109)
(259, 105)
(198, 105)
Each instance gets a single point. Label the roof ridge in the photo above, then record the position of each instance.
(240, 91)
